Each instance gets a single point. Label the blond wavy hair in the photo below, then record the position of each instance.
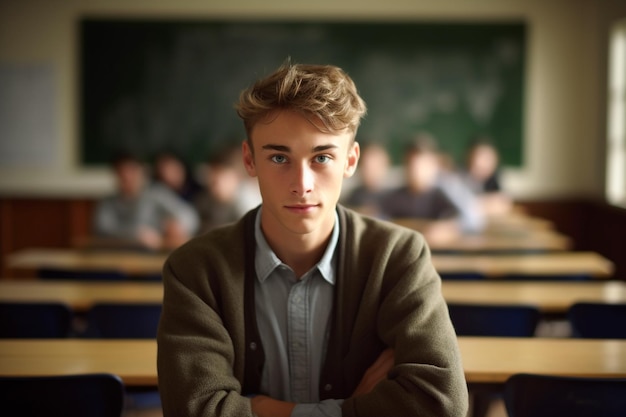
(323, 91)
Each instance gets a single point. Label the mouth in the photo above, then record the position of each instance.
(302, 208)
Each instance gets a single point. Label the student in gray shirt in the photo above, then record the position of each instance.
(139, 213)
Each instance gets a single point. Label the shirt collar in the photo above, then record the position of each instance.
(266, 261)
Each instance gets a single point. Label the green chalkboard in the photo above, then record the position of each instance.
(150, 85)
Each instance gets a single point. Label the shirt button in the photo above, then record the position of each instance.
(328, 387)
(253, 346)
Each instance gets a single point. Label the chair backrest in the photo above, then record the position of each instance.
(124, 320)
(494, 320)
(81, 275)
(528, 395)
(551, 277)
(598, 320)
(93, 395)
(35, 320)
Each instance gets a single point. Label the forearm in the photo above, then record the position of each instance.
(427, 377)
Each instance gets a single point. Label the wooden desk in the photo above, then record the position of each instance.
(502, 236)
(80, 296)
(485, 360)
(506, 242)
(131, 263)
(493, 360)
(133, 360)
(517, 222)
(549, 297)
(557, 263)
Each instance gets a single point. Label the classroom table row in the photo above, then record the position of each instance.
(500, 236)
(549, 297)
(138, 264)
(485, 360)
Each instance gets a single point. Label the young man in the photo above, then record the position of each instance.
(303, 307)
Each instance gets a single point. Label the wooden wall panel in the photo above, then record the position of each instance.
(41, 222)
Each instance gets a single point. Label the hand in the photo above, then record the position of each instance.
(149, 238)
(376, 373)
(441, 231)
(264, 406)
(174, 234)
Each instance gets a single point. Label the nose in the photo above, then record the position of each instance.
(303, 180)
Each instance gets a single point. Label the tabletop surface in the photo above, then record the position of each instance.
(80, 295)
(501, 235)
(485, 360)
(137, 263)
(557, 263)
(551, 297)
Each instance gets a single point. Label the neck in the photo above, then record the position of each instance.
(299, 251)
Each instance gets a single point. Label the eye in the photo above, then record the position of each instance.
(322, 159)
(278, 159)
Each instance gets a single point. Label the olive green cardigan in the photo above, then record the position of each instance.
(387, 294)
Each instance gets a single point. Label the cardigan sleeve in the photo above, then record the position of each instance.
(427, 378)
(196, 356)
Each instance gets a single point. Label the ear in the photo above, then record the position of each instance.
(353, 159)
(248, 159)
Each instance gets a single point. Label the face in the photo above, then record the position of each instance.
(374, 166)
(223, 182)
(422, 169)
(171, 171)
(483, 162)
(300, 171)
(130, 178)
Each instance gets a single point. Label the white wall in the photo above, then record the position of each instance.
(566, 74)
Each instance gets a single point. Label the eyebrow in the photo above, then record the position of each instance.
(287, 149)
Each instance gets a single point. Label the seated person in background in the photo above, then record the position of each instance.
(472, 217)
(217, 203)
(372, 172)
(482, 177)
(150, 216)
(304, 307)
(172, 172)
(420, 203)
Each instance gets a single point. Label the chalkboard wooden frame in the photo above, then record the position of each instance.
(149, 85)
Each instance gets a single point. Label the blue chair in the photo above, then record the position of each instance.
(35, 320)
(81, 275)
(598, 320)
(123, 320)
(93, 395)
(529, 395)
(128, 321)
(494, 320)
(555, 277)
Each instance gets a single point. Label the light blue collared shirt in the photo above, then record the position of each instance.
(293, 317)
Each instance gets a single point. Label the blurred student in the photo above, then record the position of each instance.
(482, 177)
(420, 198)
(472, 216)
(172, 172)
(217, 204)
(139, 213)
(372, 172)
